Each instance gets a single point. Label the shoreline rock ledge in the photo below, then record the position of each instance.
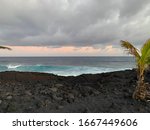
(23, 92)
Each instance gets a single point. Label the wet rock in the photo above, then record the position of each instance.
(0, 101)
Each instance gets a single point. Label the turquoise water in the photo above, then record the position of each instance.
(66, 66)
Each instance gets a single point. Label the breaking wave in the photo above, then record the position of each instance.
(59, 70)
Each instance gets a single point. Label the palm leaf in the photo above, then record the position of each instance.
(2, 47)
(148, 61)
(145, 51)
(130, 48)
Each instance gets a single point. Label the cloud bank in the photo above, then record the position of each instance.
(78, 23)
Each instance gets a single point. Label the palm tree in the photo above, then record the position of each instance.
(2, 47)
(142, 61)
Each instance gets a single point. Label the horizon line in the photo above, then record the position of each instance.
(66, 56)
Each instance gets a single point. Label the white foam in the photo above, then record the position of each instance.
(10, 66)
(86, 70)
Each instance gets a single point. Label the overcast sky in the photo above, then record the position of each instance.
(72, 27)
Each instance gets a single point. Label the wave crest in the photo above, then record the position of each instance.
(10, 66)
(58, 70)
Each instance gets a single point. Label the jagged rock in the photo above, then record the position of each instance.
(60, 107)
(110, 92)
(9, 97)
(58, 85)
(53, 89)
(28, 93)
(8, 93)
(57, 98)
(71, 95)
(96, 92)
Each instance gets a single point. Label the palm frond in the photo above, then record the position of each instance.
(148, 61)
(145, 47)
(2, 47)
(145, 51)
(130, 48)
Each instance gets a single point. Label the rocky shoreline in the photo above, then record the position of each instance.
(23, 92)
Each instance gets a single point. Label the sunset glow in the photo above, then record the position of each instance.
(61, 51)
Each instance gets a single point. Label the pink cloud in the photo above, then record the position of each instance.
(61, 51)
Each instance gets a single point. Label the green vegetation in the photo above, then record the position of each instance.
(142, 57)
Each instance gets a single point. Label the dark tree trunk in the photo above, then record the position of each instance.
(140, 90)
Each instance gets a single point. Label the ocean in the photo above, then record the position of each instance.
(66, 66)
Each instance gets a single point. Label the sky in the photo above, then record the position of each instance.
(72, 27)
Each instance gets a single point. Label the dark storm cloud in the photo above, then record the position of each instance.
(73, 22)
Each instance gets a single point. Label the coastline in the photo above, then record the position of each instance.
(23, 92)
